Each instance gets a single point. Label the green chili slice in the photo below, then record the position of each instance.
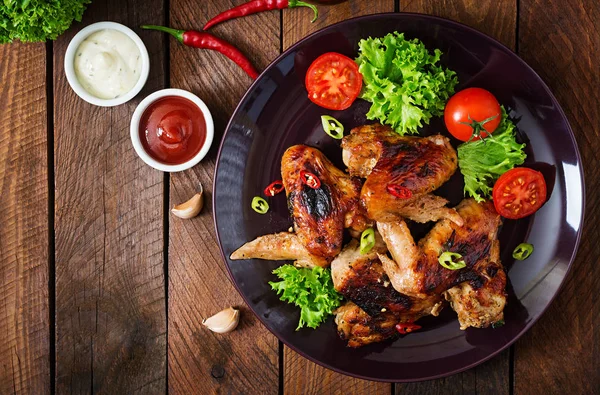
(451, 260)
(260, 205)
(523, 251)
(367, 240)
(498, 324)
(332, 127)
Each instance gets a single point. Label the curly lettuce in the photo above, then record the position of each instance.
(37, 20)
(481, 162)
(310, 289)
(403, 81)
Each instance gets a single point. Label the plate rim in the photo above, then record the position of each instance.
(471, 30)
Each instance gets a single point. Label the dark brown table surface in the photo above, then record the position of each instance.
(103, 291)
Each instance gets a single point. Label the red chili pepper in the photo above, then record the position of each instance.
(310, 179)
(407, 327)
(255, 6)
(202, 40)
(274, 188)
(399, 191)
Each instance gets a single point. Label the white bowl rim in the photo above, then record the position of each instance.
(70, 68)
(135, 135)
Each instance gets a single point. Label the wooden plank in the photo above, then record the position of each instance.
(492, 377)
(24, 331)
(110, 292)
(246, 360)
(299, 374)
(498, 19)
(296, 22)
(561, 41)
(302, 376)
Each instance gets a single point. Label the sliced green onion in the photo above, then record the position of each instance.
(332, 127)
(498, 324)
(523, 251)
(451, 260)
(260, 205)
(367, 240)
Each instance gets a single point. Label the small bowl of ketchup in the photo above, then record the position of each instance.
(172, 130)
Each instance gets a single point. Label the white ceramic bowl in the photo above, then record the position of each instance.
(135, 126)
(70, 67)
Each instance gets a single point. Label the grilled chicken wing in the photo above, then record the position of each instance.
(420, 164)
(480, 302)
(403, 269)
(360, 329)
(476, 291)
(320, 214)
(376, 306)
(473, 240)
(279, 247)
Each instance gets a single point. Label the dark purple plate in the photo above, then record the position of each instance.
(275, 113)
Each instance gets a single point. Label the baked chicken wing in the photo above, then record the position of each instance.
(320, 214)
(476, 292)
(480, 302)
(375, 306)
(278, 247)
(417, 165)
(359, 329)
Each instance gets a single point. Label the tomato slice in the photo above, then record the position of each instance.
(333, 81)
(519, 192)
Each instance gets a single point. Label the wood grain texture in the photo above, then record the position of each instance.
(492, 378)
(497, 19)
(24, 331)
(303, 377)
(110, 294)
(561, 41)
(300, 375)
(297, 25)
(245, 360)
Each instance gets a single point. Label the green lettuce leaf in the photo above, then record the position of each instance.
(481, 162)
(403, 81)
(37, 20)
(310, 289)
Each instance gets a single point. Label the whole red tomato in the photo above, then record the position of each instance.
(472, 113)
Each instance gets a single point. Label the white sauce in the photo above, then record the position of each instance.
(108, 64)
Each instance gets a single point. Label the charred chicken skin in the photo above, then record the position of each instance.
(360, 329)
(480, 302)
(415, 165)
(476, 292)
(375, 306)
(321, 213)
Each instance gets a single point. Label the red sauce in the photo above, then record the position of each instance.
(172, 130)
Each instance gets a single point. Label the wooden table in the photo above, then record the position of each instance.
(102, 291)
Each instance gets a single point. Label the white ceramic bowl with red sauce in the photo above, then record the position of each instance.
(142, 148)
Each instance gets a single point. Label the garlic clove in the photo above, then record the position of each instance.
(224, 321)
(191, 208)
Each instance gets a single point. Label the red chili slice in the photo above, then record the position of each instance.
(310, 179)
(399, 191)
(274, 188)
(407, 327)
